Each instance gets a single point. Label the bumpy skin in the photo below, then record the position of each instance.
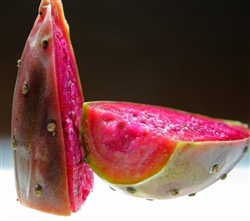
(191, 168)
(50, 173)
(198, 150)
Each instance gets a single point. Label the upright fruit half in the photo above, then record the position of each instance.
(50, 173)
(159, 153)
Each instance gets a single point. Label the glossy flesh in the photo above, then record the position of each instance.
(50, 173)
(80, 177)
(150, 151)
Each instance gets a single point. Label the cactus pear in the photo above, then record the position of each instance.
(51, 175)
(159, 153)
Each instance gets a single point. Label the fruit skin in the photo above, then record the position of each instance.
(192, 166)
(49, 170)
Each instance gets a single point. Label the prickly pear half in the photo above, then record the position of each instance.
(51, 175)
(159, 153)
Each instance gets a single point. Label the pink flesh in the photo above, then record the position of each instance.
(80, 177)
(170, 123)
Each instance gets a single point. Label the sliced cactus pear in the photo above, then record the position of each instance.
(51, 175)
(159, 153)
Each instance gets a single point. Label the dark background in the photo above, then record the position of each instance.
(189, 55)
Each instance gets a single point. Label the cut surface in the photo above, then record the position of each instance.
(176, 125)
(50, 173)
(126, 143)
(80, 177)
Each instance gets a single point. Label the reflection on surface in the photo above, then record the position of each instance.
(224, 200)
(6, 153)
(7, 159)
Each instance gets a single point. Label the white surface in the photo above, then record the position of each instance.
(225, 200)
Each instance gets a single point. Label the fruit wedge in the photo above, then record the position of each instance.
(50, 173)
(159, 153)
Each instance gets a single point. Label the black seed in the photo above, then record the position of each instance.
(131, 190)
(150, 199)
(45, 43)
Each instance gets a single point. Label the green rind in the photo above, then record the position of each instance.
(82, 131)
(83, 141)
(191, 168)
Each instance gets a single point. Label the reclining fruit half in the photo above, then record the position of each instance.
(159, 153)
(51, 175)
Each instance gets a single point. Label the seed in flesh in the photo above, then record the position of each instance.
(38, 190)
(45, 42)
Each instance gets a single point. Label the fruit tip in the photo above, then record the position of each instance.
(44, 3)
(47, 2)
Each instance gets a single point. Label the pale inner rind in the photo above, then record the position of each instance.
(191, 168)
